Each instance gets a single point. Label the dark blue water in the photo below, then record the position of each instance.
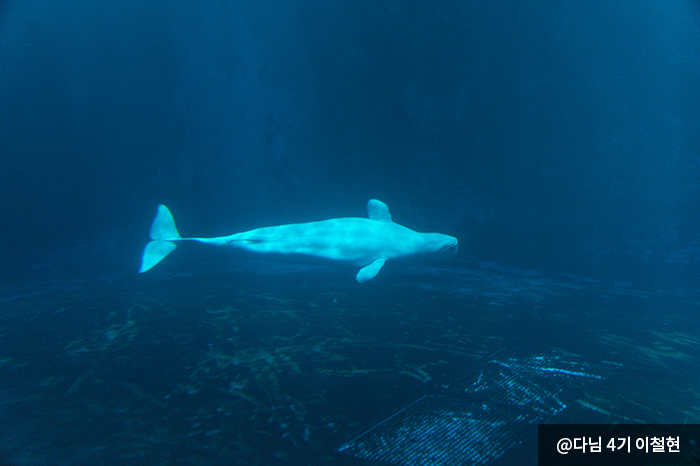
(557, 142)
(282, 365)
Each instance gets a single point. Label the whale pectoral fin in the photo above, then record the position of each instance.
(368, 272)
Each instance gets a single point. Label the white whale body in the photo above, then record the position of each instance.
(365, 242)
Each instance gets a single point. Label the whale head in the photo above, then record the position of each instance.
(440, 245)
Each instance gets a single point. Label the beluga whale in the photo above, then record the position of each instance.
(364, 242)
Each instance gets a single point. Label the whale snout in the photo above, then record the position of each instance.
(447, 246)
(449, 249)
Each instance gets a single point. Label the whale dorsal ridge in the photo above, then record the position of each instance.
(377, 210)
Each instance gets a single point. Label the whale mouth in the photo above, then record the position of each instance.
(449, 250)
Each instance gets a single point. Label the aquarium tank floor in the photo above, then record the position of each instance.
(258, 364)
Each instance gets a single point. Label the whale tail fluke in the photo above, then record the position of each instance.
(163, 233)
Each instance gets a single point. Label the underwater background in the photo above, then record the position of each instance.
(558, 141)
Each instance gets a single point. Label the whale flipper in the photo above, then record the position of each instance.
(163, 232)
(368, 272)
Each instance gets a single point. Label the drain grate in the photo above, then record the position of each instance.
(442, 430)
(476, 421)
(539, 383)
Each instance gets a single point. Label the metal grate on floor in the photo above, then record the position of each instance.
(479, 419)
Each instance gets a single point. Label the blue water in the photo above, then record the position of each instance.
(283, 365)
(557, 141)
